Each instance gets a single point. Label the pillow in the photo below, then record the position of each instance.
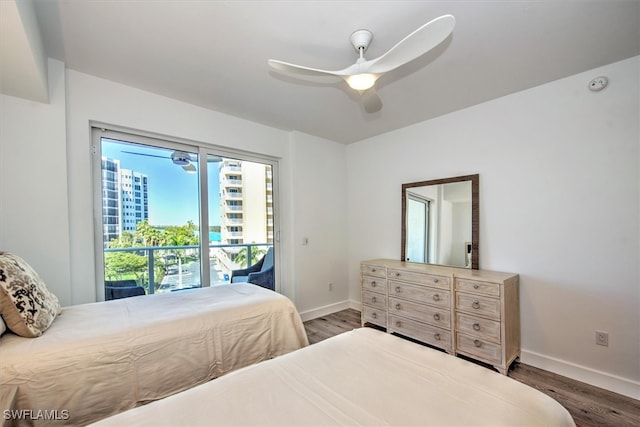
(27, 306)
(3, 327)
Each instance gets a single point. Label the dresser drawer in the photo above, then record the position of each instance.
(478, 327)
(374, 315)
(482, 349)
(425, 294)
(420, 331)
(374, 300)
(424, 313)
(478, 305)
(374, 284)
(476, 287)
(421, 278)
(373, 270)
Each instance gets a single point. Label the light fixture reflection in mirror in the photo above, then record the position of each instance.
(440, 221)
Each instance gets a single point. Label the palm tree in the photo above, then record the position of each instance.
(149, 235)
(256, 254)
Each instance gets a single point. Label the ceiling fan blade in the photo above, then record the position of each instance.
(371, 101)
(414, 45)
(307, 71)
(144, 154)
(189, 168)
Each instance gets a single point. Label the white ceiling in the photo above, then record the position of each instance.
(214, 53)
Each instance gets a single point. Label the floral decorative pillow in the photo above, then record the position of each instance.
(26, 305)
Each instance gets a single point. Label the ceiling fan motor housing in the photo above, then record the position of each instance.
(360, 39)
(180, 158)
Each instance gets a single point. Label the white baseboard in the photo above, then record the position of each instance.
(582, 373)
(323, 311)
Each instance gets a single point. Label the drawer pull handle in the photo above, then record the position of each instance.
(436, 297)
(397, 274)
(435, 280)
(374, 315)
(476, 286)
(477, 343)
(373, 270)
(398, 290)
(437, 337)
(374, 299)
(476, 326)
(476, 304)
(373, 284)
(436, 316)
(398, 306)
(399, 324)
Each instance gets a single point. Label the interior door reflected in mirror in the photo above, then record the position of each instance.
(440, 220)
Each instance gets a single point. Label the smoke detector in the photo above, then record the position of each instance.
(598, 83)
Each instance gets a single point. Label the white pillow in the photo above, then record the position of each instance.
(3, 327)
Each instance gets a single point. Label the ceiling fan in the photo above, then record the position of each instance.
(180, 158)
(362, 75)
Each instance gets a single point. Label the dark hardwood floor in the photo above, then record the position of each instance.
(588, 405)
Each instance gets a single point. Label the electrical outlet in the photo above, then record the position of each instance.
(602, 338)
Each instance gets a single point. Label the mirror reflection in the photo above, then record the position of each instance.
(440, 222)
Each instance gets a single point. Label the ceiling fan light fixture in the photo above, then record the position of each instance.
(362, 81)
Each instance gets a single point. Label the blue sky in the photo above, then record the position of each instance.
(173, 193)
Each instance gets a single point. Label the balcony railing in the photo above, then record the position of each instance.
(231, 169)
(231, 183)
(233, 221)
(165, 270)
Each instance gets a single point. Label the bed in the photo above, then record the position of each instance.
(99, 359)
(362, 377)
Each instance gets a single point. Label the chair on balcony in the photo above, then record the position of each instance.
(260, 273)
(116, 289)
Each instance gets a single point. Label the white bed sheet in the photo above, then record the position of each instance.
(363, 377)
(103, 358)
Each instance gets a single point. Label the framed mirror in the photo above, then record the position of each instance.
(440, 221)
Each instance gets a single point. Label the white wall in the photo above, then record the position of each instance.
(34, 217)
(320, 233)
(24, 64)
(559, 204)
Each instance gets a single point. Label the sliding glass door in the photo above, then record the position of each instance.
(240, 212)
(172, 216)
(418, 221)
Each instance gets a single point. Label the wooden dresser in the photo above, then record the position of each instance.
(475, 313)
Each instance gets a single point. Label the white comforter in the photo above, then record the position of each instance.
(363, 377)
(100, 359)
